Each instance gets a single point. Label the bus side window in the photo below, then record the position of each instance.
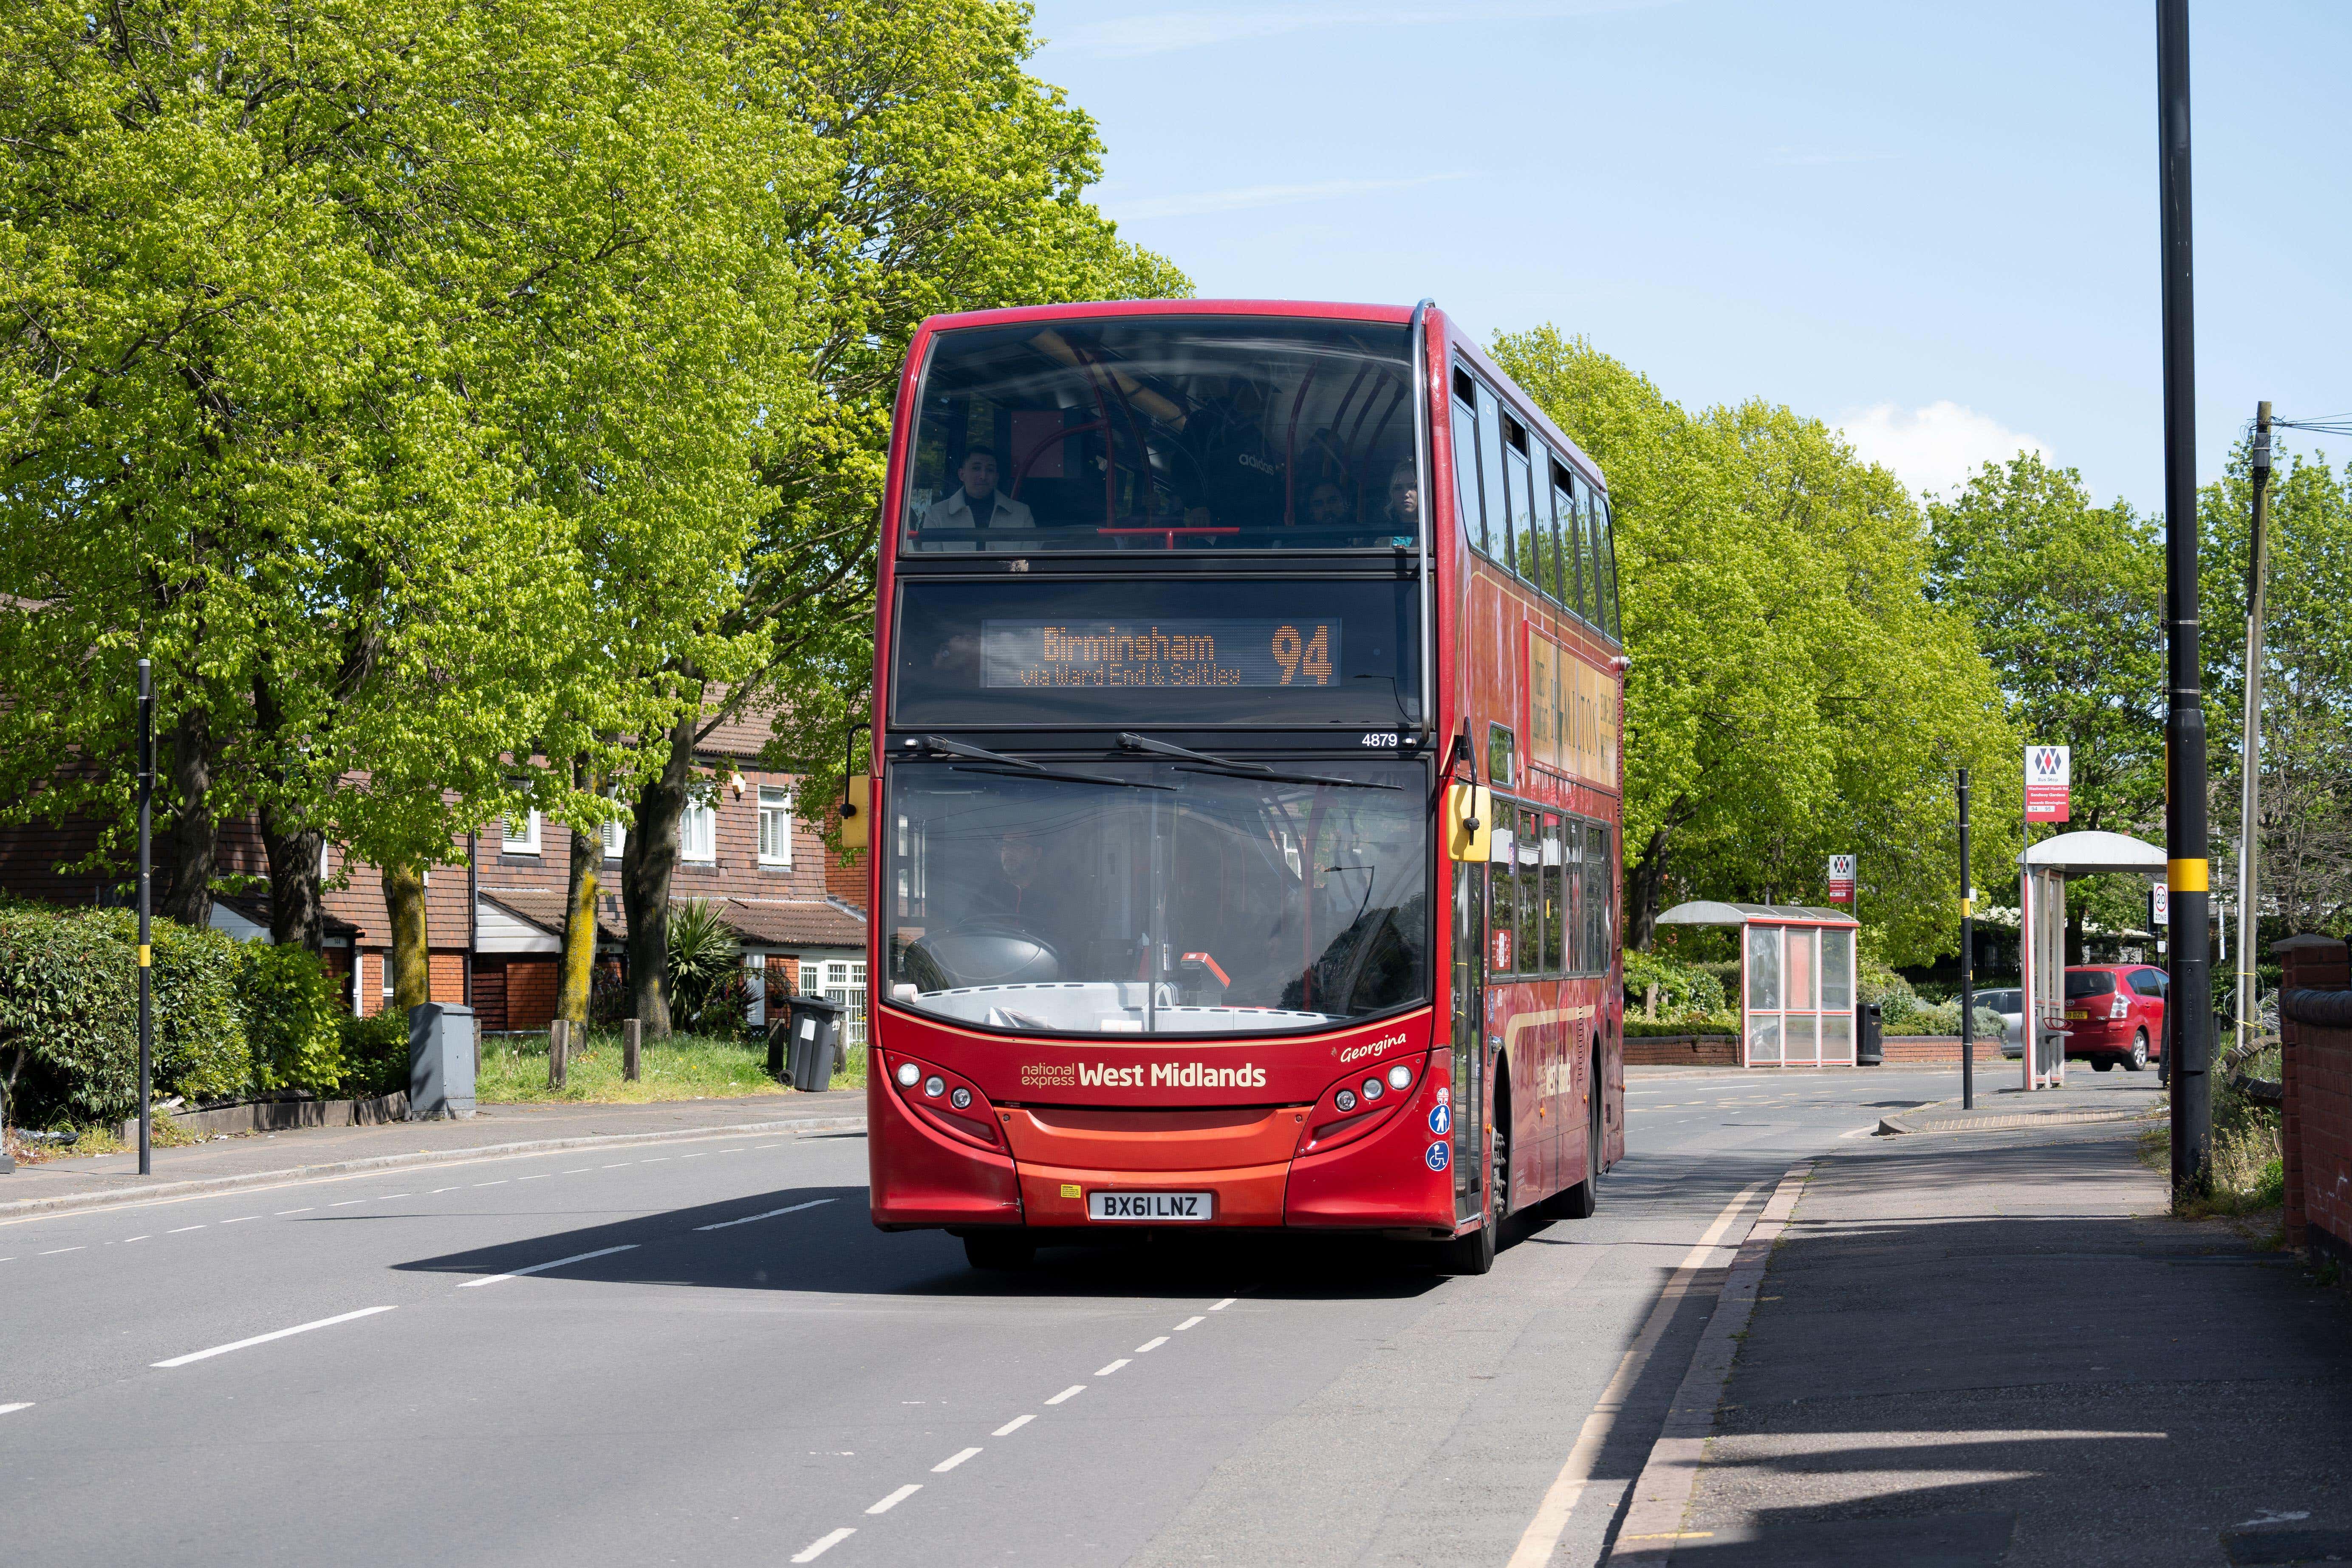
(1600, 888)
(1555, 895)
(1502, 756)
(1490, 472)
(1605, 552)
(1569, 537)
(1466, 509)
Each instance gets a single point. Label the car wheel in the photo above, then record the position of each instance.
(2137, 1061)
(2103, 1064)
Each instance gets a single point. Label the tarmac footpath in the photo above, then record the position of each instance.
(1993, 1347)
(495, 1132)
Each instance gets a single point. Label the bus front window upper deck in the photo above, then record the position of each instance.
(1158, 897)
(1164, 433)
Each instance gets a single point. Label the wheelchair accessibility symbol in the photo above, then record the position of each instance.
(1440, 1156)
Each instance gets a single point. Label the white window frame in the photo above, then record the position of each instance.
(615, 836)
(527, 844)
(776, 802)
(700, 848)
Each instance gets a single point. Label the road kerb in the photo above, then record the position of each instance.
(1662, 1493)
(1994, 1120)
(165, 1191)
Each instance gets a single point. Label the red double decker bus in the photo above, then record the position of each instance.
(1243, 803)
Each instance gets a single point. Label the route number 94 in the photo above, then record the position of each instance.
(1382, 738)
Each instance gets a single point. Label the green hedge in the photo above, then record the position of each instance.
(375, 1053)
(69, 1013)
(293, 1020)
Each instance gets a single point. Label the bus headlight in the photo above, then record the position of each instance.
(1373, 1089)
(907, 1073)
(1345, 1100)
(1399, 1076)
(960, 1098)
(934, 1086)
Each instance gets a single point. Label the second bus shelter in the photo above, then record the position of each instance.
(1796, 980)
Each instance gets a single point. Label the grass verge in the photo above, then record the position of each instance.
(684, 1067)
(162, 1133)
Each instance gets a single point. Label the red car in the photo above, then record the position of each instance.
(2116, 1014)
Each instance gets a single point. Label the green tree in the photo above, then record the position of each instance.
(2068, 602)
(2303, 854)
(386, 370)
(945, 178)
(1793, 693)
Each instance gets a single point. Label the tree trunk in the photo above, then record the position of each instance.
(646, 867)
(412, 968)
(297, 914)
(579, 930)
(1643, 890)
(192, 838)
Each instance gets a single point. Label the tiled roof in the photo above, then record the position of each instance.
(795, 922)
(543, 907)
(255, 907)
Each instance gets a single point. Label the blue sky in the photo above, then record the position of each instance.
(1932, 225)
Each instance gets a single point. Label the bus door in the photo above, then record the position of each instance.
(1469, 985)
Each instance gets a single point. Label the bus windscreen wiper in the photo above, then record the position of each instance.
(1232, 768)
(1015, 767)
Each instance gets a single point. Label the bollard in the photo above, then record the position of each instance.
(559, 1052)
(633, 1034)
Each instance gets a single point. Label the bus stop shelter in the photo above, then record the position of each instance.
(1796, 980)
(2043, 871)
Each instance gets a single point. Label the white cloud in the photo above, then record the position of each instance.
(1935, 448)
(1243, 196)
(1169, 30)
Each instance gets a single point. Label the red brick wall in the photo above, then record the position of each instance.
(2317, 1131)
(1935, 1048)
(1680, 1050)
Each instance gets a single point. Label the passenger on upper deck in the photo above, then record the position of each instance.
(1237, 478)
(1327, 505)
(974, 503)
(1400, 517)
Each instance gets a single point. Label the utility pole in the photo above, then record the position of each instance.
(2189, 1007)
(1967, 961)
(2250, 745)
(146, 902)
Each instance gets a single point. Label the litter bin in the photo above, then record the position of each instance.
(1869, 1035)
(815, 1025)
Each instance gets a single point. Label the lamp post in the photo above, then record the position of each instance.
(146, 900)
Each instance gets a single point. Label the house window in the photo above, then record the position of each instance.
(697, 832)
(520, 836)
(840, 981)
(775, 826)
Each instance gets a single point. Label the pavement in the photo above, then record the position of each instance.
(261, 1158)
(1995, 1348)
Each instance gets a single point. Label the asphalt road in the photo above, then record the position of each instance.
(704, 1353)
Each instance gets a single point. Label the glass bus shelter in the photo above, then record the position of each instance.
(1796, 980)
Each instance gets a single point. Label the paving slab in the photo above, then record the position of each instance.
(72, 1182)
(1999, 1350)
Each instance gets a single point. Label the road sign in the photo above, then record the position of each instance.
(2049, 775)
(2159, 906)
(1841, 878)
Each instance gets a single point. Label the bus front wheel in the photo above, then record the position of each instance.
(1474, 1253)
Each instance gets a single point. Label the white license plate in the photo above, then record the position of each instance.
(1159, 1208)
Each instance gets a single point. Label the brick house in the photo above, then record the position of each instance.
(495, 928)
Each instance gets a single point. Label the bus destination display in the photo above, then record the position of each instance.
(1211, 652)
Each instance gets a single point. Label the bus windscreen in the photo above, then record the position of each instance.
(1156, 896)
(1164, 433)
(1276, 655)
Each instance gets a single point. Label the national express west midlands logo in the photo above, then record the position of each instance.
(1168, 1075)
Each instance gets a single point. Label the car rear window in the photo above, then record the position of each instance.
(1998, 1001)
(2089, 982)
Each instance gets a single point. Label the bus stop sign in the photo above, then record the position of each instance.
(2049, 775)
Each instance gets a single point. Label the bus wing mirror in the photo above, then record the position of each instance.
(1469, 822)
(856, 800)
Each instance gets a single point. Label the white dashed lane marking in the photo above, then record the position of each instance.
(240, 1219)
(265, 1338)
(1107, 1371)
(772, 1214)
(1189, 1322)
(952, 1460)
(543, 1267)
(822, 1544)
(1151, 1345)
(1070, 1393)
(183, 1230)
(55, 1250)
(895, 1499)
(12, 1409)
(1015, 1425)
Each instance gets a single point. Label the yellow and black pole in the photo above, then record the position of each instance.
(1967, 961)
(146, 902)
(2189, 1005)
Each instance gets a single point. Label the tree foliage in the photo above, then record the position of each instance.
(1793, 692)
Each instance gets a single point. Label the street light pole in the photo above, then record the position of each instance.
(2250, 746)
(146, 900)
(2189, 1007)
(1967, 961)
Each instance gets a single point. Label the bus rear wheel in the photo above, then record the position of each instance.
(999, 1249)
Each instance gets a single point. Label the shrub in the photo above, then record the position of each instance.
(374, 1054)
(1685, 990)
(293, 1022)
(69, 1013)
(707, 988)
